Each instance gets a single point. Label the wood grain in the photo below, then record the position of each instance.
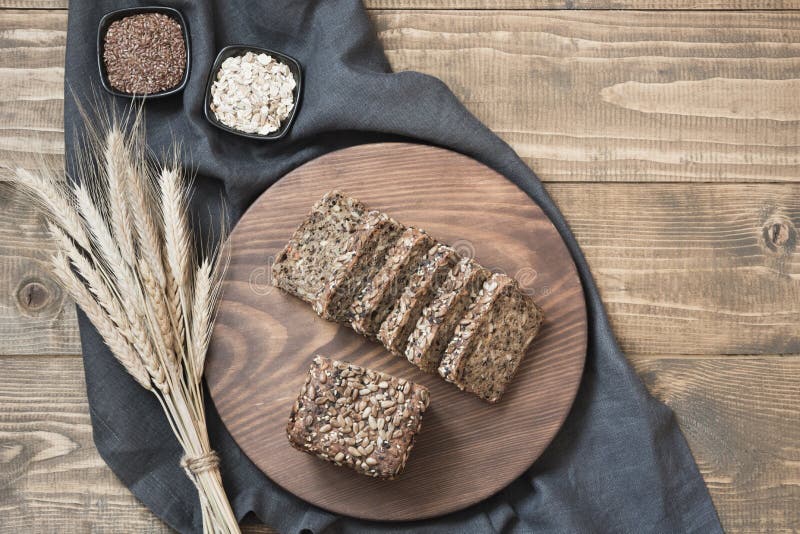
(739, 415)
(513, 4)
(741, 418)
(581, 96)
(264, 339)
(32, 48)
(682, 268)
(53, 478)
(690, 268)
(31, 85)
(617, 96)
(36, 317)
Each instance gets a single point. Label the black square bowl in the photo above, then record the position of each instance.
(106, 21)
(238, 50)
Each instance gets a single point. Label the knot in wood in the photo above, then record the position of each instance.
(780, 235)
(33, 296)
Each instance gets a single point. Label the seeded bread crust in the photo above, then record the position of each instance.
(490, 341)
(355, 417)
(373, 305)
(419, 292)
(304, 265)
(363, 257)
(437, 324)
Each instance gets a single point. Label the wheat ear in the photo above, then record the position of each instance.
(93, 278)
(116, 167)
(158, 306)
(177, 245)
(56, 201)
(203, 302)
(129, 291)
(122, 350)
(141, 199)
(128, 157)
(101, 235)
(132, 330)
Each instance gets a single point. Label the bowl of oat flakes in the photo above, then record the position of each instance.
(253, 92)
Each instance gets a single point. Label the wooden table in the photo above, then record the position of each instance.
(671, 141)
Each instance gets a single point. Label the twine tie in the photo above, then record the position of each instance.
(194, 465)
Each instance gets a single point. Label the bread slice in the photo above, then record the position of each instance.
(304, 265)
(422, 286)
(362, 259)
(438, 321)
(490, 341)
(375, 302)
(356, 417)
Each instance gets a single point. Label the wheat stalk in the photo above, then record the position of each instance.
(135, 208)
(129, 291)
(125, 255)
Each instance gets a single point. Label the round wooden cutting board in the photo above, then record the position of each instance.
(265, 339)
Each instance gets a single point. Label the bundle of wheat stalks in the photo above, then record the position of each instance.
(125, 253)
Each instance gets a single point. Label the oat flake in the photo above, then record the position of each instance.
(253, 93)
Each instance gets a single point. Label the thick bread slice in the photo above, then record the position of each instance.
(375, 302)
(431, 273)
(372, 432)
(438, 321)
(364, 255)
(304, 265)
(490, 341)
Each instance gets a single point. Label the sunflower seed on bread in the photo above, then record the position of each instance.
(491, 339)
(304, 265)
(422, 286)
(376, 300)
(363, 256)
(356, 417)
(439, 319)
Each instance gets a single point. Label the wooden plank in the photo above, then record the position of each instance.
(581, 96)
(682, 268)
(726, 407)
(742, 421)
(36, 316)
(33, 4)
(619, 96)
(512, 4)
(32, 45)
(693, 268)
(53, 478)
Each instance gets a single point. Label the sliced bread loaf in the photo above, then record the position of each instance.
(422, 286)
(438, 321)
(363, 256)
(304, 265)
(375, 302)
(490, 341)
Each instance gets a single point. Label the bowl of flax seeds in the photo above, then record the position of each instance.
(143, 52)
